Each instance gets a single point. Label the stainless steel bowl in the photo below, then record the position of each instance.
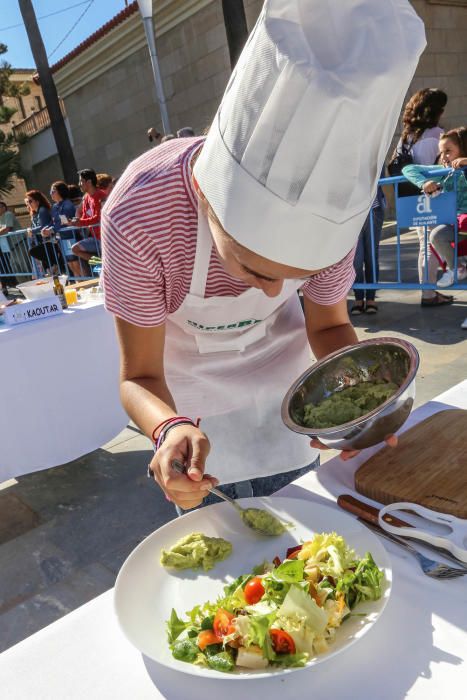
(389, 359)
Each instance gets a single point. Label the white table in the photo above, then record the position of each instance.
(59, 389)
(417, 650)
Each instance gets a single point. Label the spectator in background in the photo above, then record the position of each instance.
(106, 183)
(453, 153)
(168, 137)
(420, 136)
(8, 223)
(90, 216)
(46, 251)
(39, 209)
(154, 136)
(363, 261)
(185, 132)
(76, 197)
(63, 210)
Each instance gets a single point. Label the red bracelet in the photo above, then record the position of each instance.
(169, 421)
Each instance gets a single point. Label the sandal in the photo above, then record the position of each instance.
(371, 308)
(438, 300)
(357, 309)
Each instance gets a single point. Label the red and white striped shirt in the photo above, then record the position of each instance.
(149, 229)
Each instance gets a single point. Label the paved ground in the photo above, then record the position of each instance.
(64, 532)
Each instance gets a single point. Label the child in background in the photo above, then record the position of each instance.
(453, 153)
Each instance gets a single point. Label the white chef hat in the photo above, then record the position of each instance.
(292, 159)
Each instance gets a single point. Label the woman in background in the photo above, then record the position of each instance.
(420, 137)
(45, 251)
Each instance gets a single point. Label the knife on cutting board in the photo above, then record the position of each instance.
(368, 513)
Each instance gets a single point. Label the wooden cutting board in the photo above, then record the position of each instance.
(428, 467)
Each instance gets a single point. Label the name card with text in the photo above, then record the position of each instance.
(31, 311)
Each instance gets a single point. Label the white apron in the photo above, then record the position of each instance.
(230, 360)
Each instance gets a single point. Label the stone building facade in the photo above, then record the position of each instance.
(107, 86)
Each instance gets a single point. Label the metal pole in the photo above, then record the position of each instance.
(149, 30)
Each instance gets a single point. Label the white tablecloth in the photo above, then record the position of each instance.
(59, 389)
(417, 649)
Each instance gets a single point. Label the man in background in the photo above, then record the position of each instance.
(8, 223)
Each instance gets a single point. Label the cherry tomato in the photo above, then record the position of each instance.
(222, 623)
(282, 642)
(254, 590)
(207, 637)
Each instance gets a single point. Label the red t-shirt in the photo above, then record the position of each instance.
(149, 232)
(92, 207)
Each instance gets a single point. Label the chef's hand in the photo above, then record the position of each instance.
(189, 445)
(391, 440)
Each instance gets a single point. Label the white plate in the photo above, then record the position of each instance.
(145, 592)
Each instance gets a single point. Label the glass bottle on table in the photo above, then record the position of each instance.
(60, 292)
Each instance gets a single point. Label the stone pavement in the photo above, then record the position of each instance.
(64, 532)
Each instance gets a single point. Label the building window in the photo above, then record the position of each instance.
(38, 101)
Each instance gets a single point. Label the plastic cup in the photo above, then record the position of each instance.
(71, 296)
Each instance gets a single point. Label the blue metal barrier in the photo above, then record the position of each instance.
(418, 211)
(53, 253)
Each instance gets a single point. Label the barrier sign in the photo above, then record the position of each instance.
(31, 311)
(426, 211)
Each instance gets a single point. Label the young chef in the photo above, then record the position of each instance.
(206, 242)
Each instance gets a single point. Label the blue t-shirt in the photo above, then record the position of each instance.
(42, 217)
(66, 208)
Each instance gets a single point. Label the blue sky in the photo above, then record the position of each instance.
(53, 28)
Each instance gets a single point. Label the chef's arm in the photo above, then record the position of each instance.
(148, 401)
(328, 327)
(144, 392)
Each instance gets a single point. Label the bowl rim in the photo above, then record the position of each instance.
(414, 359)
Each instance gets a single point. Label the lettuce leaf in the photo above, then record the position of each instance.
(291, 571)
(364, 583)
(329, 552)
(175, 626)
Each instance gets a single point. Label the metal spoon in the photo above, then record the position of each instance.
(248, 515)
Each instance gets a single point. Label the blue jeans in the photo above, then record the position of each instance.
(363, 261)
(263, 486)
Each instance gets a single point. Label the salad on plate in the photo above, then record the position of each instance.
(283, 614)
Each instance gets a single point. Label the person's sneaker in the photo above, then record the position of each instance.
(464, 324)
(447, 280)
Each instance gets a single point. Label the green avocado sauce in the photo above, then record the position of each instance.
(262, 521)
(349, 404)
(196, 551)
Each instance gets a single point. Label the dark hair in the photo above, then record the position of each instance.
(459, 137)
(423, 111)
(2, 204)
(74, 192)
(40, 197)
(88, 174)
(62, 189)
(104, 180)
